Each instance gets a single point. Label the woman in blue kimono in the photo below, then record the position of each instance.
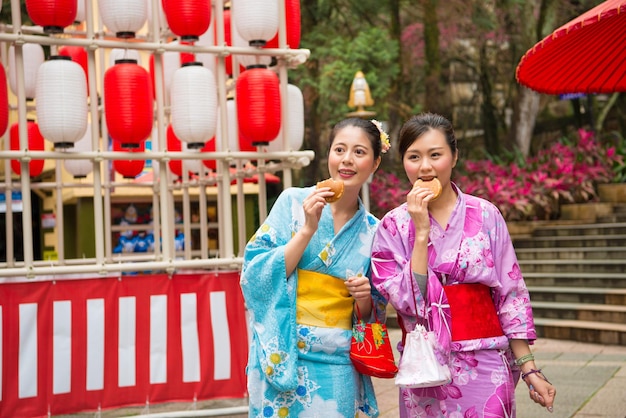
(304, 270)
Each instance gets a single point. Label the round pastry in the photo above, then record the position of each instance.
(336, 186)
(434, 185)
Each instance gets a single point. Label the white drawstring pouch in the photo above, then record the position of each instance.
(418, 366)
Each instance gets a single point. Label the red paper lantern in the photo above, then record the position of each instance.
(188, 19)
(34, 56)
(174, 144)
(258, 106)
(35, 143)
(128, 103)
(234, 140)
(129, 169)
(293, 23)
(78, 55)
(172, 61)
(228, 61)
(209, 147)
(53, 15)
(4, 101)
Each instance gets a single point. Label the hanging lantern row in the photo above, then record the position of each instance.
(61, 85)
(128, 16)
(256, 20)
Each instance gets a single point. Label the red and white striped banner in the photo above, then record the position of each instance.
(77, 345)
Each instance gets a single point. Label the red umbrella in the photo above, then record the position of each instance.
(586, 55)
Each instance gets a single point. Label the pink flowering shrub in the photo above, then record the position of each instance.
(523, 189)
(386, 192)
(566, 172)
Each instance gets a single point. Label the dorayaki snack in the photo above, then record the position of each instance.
(433, 185)
(336, 186)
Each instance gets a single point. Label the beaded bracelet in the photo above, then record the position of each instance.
(524, 359)
(535, 371)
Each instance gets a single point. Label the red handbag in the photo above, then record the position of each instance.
(370, 351)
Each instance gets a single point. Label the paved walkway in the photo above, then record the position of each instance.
(590, 380)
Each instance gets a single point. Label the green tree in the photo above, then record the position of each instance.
(344, 37)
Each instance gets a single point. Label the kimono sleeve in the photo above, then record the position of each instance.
(511, 297)
(270, 297)
(391, 267)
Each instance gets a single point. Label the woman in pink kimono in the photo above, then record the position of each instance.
(451, 256)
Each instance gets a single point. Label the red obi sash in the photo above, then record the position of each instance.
(473, 313)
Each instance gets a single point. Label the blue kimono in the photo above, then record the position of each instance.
(299, 363)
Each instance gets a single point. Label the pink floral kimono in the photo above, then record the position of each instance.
(474, 249)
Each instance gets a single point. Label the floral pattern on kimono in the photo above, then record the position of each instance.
(475, 247)
(296, 369)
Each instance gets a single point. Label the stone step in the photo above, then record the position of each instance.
(574, 265)
(614, 217)
(580, 312)
(584, 331)
(574, 241)
(571, 253)
(617, 228)
(577, 279)
(577, 295)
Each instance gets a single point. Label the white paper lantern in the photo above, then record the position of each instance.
(80, 11)
(233, 134)
(295, 122)
(194, 104)
(248, 60)
(33, 58)
(162, 20)
(172, 61)
(194, 166)
(255, 20)
(81, 168)
(123, 17)
(123, 53)
(208, 60)
(61, 101)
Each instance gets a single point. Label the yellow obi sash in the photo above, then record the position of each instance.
(323, 301)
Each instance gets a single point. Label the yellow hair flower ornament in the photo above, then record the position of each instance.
(384, 137)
